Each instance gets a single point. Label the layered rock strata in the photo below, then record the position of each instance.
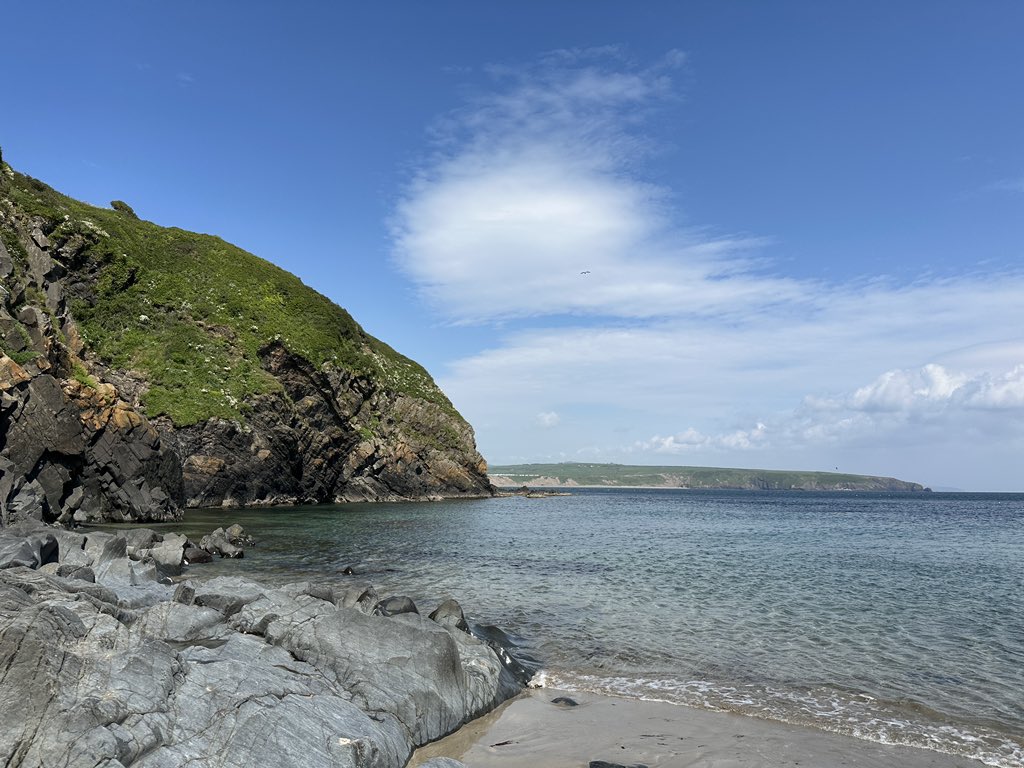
(129, 671)
(308, 443)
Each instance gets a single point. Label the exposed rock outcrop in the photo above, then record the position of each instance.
(70, 448)
(84, 438)
(128, 671)
(313, 442)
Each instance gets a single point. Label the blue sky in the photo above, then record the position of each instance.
(800, 223)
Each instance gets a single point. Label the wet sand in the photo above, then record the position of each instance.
(532, 731)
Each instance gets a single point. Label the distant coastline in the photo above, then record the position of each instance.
(581, 475)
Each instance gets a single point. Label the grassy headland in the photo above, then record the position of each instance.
(624, 475)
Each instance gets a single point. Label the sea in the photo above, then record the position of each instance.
(896, 618)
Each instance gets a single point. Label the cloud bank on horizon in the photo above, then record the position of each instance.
(621, 332)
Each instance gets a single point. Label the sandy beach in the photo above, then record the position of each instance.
(532, 731)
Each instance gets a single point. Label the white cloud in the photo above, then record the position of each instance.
(691, 440)
(929, 400)
(933, 388)
(1003, 392)
(534, 216)
(901, 390)
(540, 191)
(548, 419)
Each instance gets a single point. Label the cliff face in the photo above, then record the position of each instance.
(329, 436)
(143, 369)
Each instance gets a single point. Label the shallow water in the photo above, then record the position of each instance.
(896, 618)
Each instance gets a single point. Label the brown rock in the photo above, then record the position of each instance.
(11, 374)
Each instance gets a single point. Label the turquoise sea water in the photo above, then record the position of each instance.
(895, 618)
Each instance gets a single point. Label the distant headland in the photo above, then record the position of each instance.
(573, 474)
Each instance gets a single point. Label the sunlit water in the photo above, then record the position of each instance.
(896, 618)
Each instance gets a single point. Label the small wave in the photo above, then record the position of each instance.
(848, 713)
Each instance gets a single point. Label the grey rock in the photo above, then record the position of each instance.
(184, 593)
(87, 468)
(76, 558)
(565, 701)
(72, 546)
(237, 536)
(195, 555)
(442, 762)
(449, 614)
(227, 595)
(38, 327)
(393, 606)
(28, 502)
(169, 554)
(139, 540)
(362, 598)
(27, 551)
(217, 543)
(83, 572)
(103, 547)
(113, 674)
(75, 498)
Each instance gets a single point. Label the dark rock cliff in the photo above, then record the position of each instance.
(102, 419)
(312, 443)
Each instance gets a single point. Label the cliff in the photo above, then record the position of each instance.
(144, 368)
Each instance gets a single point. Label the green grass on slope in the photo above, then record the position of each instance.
(190, 312)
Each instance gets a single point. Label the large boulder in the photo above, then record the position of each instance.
(218, 543)
(450, 614)
(27, 550)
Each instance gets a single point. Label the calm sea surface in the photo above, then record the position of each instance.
(896, 618)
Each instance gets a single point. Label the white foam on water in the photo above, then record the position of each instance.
(851, 714)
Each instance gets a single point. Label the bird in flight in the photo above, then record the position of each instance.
(585, 272)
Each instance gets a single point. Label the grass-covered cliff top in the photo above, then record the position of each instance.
(189, 311)
(623, 475)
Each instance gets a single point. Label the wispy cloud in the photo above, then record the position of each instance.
(1008, 185)
(548, 419)
(532, 207)
(535, 216)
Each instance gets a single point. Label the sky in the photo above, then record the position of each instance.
(782, 235)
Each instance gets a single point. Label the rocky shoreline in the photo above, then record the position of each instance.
(107, 661)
